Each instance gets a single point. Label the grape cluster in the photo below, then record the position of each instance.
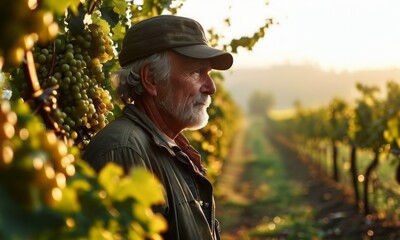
(22, 24)
(74, 64)
(34, 163)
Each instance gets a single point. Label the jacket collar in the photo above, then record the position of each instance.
(181, 144)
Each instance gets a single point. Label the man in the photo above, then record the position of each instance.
(165, 84)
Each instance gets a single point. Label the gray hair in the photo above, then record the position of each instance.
(127, 79)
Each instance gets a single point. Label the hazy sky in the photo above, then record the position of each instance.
(335, 34)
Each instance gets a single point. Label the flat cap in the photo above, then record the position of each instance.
(167, 32)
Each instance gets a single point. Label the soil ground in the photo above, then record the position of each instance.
(323, 210)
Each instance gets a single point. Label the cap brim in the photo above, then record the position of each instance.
(220, 60)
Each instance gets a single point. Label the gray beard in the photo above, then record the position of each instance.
(194, 119)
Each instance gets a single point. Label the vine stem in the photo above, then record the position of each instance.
(36, 92)
(31, 75)
(92, 6)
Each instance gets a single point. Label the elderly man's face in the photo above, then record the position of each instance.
(185, 99)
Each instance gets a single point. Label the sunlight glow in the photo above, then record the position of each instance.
(335, 34)
(361, 178)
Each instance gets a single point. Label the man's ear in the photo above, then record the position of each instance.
(148, 82)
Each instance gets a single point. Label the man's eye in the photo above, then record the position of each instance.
(197, 72)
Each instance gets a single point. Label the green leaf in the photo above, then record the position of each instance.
(123, 190)
(60, 6)
(119, 32)
(84, 168)
(157, 224)
(136, 232)
(75, 22)
(110, 16)
(69, 202)
(146, 188)
(110, 177)
(98, 232)
(81, 184)
(120, 7)
(99, 21)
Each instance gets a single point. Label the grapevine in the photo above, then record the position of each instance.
(34, 156)
(43, 179)
(24, 24)
(73, 64)
(372, 129)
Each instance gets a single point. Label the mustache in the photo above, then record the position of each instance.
(203, 99)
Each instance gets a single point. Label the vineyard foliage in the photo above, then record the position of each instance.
(371, 125)
(56, 58)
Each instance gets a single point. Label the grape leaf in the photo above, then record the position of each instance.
(123, 190)
(69, 202)
(118, 32)
(98, 20)
(109, 178)
(140, 185)
(60, 6)
(84, 168)
(157, 224)
(146, 188)
(81, 184)
(75, 22)
(110, 16)
(118, 6)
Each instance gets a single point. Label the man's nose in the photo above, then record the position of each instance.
(209, 86)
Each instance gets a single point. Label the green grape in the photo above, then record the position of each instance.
(83, 104)
(41, 58)
(65, 67)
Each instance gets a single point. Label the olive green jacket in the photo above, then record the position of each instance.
(133, 140)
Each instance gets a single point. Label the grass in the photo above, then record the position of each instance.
(274, 206)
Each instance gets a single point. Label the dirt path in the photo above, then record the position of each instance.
(246, 202)
(231, 190)
(238, 157)
(241, 197)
